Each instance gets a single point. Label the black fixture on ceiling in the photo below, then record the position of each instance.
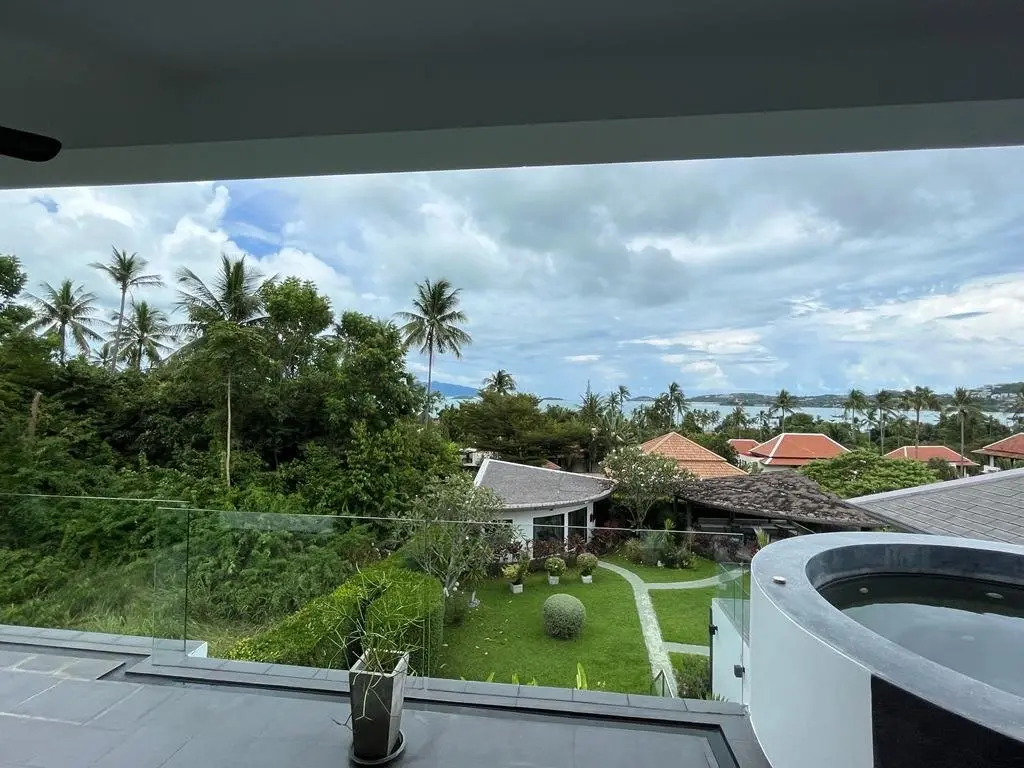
(23, 145)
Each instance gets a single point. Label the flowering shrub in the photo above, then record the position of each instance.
(641, 480)
(516, 572)
(555, 566)
(586, 563)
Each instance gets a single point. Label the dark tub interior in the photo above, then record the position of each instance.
(973, 626)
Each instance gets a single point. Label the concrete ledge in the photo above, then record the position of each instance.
(72, 639)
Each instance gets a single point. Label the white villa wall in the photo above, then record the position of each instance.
(728, 650)
(522, 519)
(810, 706)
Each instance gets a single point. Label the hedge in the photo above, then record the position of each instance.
(326, 632)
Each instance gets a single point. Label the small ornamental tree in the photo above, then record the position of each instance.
(859, 473)
(457, 533)
(642, 480)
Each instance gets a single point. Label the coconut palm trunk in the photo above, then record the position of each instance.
(227, 452)
(118, 332)
(963, 467)
(430, 378)
(917, 428)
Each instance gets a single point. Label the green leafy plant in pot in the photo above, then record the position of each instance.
(555, 566)
(586, 563)
(378, 676)
(515, 573)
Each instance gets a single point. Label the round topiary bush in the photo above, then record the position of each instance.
(564, 616)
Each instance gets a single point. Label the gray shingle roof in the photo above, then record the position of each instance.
(989, 507)
(787, 495)
(524, 487)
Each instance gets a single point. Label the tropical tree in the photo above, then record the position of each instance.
(738, 420)
(920, 399)
(63, 309)
(592, 405)
(641, 480)
(856, 403)
(619, 397)
(235, 296)
(859, 473)
(784, 404)
(148, 335)
(126, 272)
(886, 403)
(433, 325)
(1017, 408)
(500, 382)
(677, 401)
(964, 405)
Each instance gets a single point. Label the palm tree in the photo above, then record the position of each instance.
(234, 298)
(592, 405)
(920, 399)
(127, 273)
(620, 397)
(500, 382)
(63, 309)
(676, 401)
(784, 404)
(234, 295)
(964, 405)
(433, 325)
(856, 402)
(886, 403)
(739, 419)
(146, 335)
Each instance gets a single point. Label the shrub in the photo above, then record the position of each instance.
(693, 675)
(516, 572)
(604, 540)
(328, 631)
(586, 563)
(633, 550)
(555, 566)
(544, 548)
(564, 616)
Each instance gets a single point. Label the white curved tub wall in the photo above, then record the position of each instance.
(810, 706)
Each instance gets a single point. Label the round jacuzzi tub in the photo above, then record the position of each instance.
(876, 649)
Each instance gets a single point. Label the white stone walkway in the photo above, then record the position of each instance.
(658, 649)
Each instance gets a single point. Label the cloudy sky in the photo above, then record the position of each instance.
(811, 273)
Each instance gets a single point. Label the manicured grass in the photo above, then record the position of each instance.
(693, 674)
(505, 636)
(702, 569)
(683, 613)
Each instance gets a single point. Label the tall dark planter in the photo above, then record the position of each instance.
(377, 700)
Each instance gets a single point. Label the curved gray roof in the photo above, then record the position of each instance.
(521, 486)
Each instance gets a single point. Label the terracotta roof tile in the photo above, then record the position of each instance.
(1011, 447)
(691, 456)
(928, 452)
(742, 445)
(794, 449)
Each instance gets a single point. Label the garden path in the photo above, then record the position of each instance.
(657, 648)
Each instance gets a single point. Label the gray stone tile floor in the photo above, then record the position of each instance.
(49, 719)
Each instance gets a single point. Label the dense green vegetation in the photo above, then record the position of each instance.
(693, 675)
(859, 473)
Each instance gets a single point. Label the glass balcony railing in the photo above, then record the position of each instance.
(525, 600)
(734, 592)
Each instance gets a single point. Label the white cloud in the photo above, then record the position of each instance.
(582, 358)
(723, 341)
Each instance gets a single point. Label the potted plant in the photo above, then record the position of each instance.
(515, 573)
(377, 692)
(555, 566)
(587, 563)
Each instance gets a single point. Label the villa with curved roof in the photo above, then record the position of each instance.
(544, 503)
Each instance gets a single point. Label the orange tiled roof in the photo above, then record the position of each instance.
(1011, 447)
(928, 452)
(794, 449)
(690, 456)
(742, 445)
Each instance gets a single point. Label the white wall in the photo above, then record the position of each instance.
(810, 706)
(728, 650)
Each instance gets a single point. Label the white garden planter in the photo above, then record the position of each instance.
(587, 579)
(552, 580)
(517, 589)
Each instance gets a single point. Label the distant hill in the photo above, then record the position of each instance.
(452, 390)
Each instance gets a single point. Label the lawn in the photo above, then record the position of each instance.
(702, 569)
(683, 613)
(505, 636)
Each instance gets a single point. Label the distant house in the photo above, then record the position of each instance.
(926, 453)
(544, 503)
(795, 449)
(1011, 448)
(471, 458)
(743, 446)
(688, 455)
